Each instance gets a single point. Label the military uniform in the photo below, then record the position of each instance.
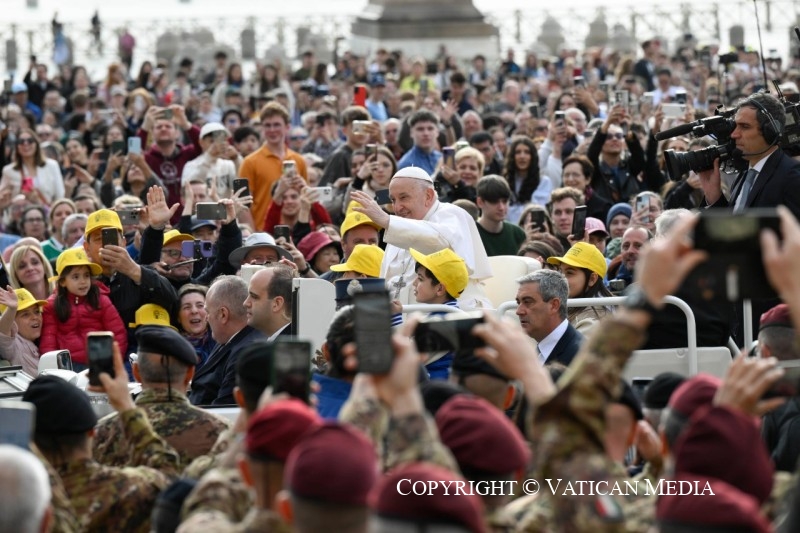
(191, 431)
(568, 433)
(121, 499)
(256, 521)
(64, 518)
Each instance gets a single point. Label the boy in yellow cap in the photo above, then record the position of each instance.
(441, 278)
(364, 262)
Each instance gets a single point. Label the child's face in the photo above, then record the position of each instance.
(424, 290)
(78, 281)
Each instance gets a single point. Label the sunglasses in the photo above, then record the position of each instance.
(26, 140)
(618, 136)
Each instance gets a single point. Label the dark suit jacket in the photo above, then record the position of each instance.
(214, 381)
(567, 347)
(778, 183)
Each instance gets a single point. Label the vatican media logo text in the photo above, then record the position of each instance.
(664, 487)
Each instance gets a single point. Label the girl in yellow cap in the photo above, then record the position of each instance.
(79, 306)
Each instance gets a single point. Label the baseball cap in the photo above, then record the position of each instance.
(416, 173)
(377, 80)
(353, 218)
(448, 268)
(175, 235)
(24, 300)
(211, 127)
(198, 223)
(595, 225)
(365, 259)
(583, 255)
(151, 315)
(76, 257)
(102, 218)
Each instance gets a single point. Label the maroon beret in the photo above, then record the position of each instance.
(726, 444)
(694, 393)
(273, 431)
(778, 316)
(333, 464)
(727, 507)
(415, 493)
(481, 437)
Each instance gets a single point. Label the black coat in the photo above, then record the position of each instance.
(567, 347)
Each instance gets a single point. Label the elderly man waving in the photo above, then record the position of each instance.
(422, 222)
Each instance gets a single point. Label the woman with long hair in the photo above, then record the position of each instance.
(374, 175)
(522, 174)
(59, 212)
(584, 267)
(30, 269)
(192, 320)
(233, 80)
(31, 173)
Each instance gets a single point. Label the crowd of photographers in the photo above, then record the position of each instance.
(175, 206)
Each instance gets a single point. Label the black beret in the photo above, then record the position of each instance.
(435, 393)
(163, 340)
(254, 363)
(628, 399)
(658, 392)
(50, 395)
(467, 363)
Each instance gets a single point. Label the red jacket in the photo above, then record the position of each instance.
(318, 215)
(83, 319)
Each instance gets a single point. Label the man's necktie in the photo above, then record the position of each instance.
(741, 201)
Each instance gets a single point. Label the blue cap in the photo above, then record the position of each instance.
(377, 79)
(199, 223)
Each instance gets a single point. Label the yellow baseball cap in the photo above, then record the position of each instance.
(151, 315)
(76, 257)
(354, 218)
(365, 259)
(24, 300)
(103, 218)
(583, 255)
(448, 268)
(175, 235)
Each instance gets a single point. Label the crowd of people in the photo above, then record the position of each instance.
(175, 208)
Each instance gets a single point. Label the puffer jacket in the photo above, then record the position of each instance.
(83, 319)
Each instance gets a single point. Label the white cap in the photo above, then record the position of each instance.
(413, 172)
(210, 128)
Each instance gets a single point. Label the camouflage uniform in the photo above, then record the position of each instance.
(256, 521)
(190, 431)
(64, 518)
(121, 499)
(568, 433)
(205, 463)
(220, 492)
(407, 439)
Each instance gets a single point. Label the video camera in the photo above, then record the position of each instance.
(720, 126)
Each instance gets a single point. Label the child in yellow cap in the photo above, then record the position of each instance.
(441, 278)
(79, 306)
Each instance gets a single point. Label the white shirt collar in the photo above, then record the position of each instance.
(549, 343)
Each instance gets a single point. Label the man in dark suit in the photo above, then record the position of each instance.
(772, 177)
(542, 312)
(645, 68)
(214, 382)
(269, 301)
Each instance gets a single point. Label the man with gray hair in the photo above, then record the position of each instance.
(542, 311)
(227, 317)
(25, 505)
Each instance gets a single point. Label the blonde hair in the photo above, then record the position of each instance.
(469, 151)
(16, 258)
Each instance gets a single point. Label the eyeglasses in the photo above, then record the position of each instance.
(174, 254)
(298, 137)
(617, 136)
(26, 140)
(39, 220)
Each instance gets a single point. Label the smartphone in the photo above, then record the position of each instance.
(360, 96)
(646, 100)
(241, 183)
(789, 384)
(128, 217)
(673, 110)
(282, 231)
(578, 81)
(643, 202)
(187, 249)
(382, 197)
(100, 354)
(118, 147)
(134, 145)
(110, 237)
(734, 270)
(449, 157)
(537, 220)
(7, 86)
(560, 116)
(680, 97)
(451, 332)
(211, 211)
(423, 87)
(373, 332)
(370, 150)
(17, 421)
(533, 109)
(579, 222)
(27, 184)
(291, 368)
(324, 193)
(289, 168)
(64, 360)
(621, 98)
(166, 114)
(359, 126)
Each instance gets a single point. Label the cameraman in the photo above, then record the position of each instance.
(772, 177)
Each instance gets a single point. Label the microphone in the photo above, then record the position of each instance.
(683, 129)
